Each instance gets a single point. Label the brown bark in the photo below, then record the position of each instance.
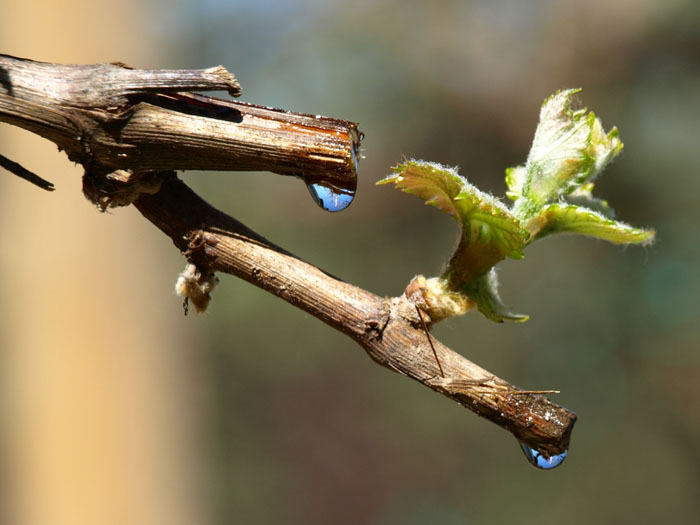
(130, 127)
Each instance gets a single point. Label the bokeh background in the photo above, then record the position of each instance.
(115, 408)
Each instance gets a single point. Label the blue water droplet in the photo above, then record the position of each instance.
(335, 193)
(541, 461)
(329, 198)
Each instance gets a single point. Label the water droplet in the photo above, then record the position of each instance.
(334, 194)
(541, 461)
(329, 196)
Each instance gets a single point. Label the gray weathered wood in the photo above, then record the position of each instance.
(110, 117)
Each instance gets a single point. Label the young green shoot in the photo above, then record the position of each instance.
(552, 193)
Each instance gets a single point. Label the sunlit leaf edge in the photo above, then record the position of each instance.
(561, 218)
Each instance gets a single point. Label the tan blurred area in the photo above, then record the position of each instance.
(90, 376)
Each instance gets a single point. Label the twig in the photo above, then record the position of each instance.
(22, 172)
(385, 328)
(106, 118)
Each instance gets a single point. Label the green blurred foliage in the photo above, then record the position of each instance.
(303, 427)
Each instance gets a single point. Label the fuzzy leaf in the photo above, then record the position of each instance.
(584, 198)
(569, 149)
(515, 179)
(561, 218)
(489, 232)
(485, 294)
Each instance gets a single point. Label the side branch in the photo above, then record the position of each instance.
(109, 117)
(388, 329)
(25, 174)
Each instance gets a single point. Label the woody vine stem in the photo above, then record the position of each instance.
(131, 129)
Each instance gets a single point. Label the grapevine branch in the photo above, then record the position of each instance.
(130, 129)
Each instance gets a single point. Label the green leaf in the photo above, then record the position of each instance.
(435, 184)
(489, 232)
(570, 148)
(515, 179)
(552, 194)
(561, 218)
(584, 198)
(485, 294)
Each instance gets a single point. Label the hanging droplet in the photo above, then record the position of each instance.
(332, 194)
(336, 193)
(541, 461)
(329, 198)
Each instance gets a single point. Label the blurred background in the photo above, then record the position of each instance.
(115, 408)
